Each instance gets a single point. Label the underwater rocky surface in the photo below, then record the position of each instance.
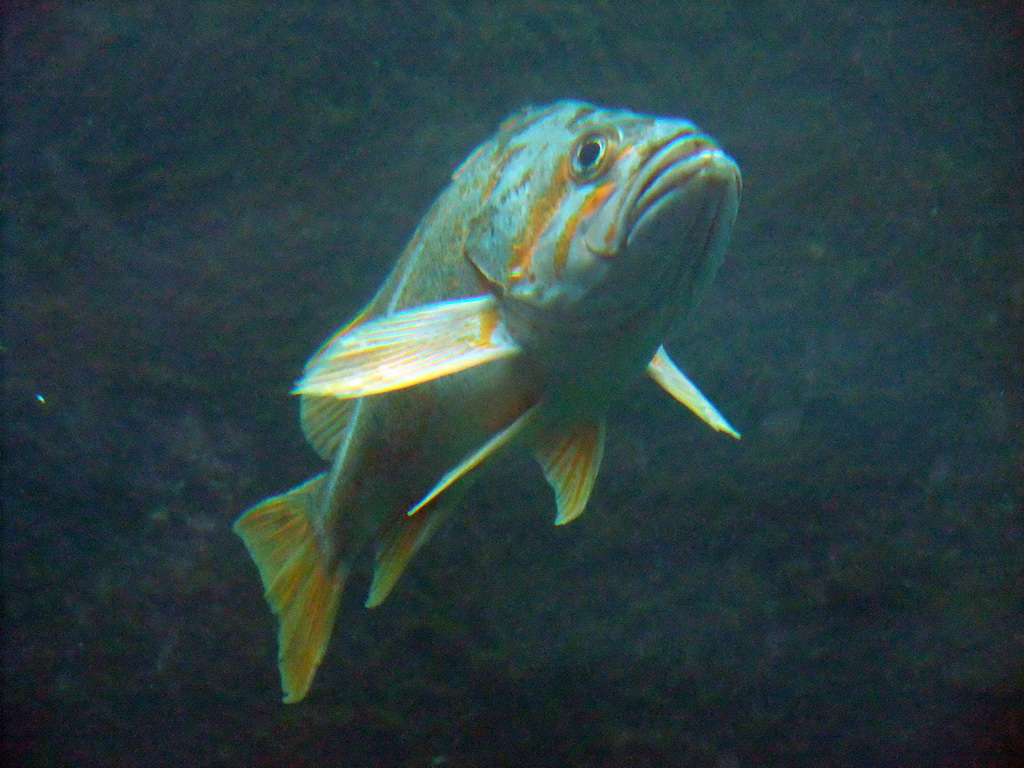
(197, 195)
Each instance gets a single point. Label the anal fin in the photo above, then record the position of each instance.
(299, 586)
(674, 381)
(571, 459)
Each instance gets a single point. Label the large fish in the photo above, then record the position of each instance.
(537, 287)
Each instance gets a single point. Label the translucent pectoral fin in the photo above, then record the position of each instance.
(408, 348)
(570, 460)
(477, 457)
(674, 381)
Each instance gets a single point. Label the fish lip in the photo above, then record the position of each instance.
(682, 158)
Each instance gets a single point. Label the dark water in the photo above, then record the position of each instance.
(197, 194)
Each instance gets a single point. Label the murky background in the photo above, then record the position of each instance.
(197, 194)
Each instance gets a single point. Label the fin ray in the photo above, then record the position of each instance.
(674, 381)
(409, 347)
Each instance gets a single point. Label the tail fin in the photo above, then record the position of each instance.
(300, 588)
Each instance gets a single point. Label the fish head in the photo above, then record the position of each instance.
(595, 218)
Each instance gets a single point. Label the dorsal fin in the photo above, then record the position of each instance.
(571, 458)
(409, 347)
(674, 381)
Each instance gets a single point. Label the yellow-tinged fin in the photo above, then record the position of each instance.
(395, 547)
(325, 422)
(571, 459)
(301, 589)
(408, 348)
(674, 381)
(477, 457)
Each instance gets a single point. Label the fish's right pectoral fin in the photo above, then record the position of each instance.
(408, 348)
(298, 585)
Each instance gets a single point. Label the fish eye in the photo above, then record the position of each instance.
(589, 152)
(588, 157)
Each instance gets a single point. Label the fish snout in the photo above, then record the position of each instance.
(691, 174)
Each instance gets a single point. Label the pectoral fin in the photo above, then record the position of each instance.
(408, 348)
(571, 460)
(477, 457)
(674, 381)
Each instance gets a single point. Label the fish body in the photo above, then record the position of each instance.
(537, 287)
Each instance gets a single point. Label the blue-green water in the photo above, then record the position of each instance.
(196, 195)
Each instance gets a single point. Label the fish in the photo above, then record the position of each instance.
(537, 288)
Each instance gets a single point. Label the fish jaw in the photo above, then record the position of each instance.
(680, 222)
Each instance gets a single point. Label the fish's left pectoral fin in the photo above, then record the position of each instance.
(674, 381)
(408, 348)
(571, 460)
(496, 442)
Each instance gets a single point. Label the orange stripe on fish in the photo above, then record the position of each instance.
(540, 217)
(597, 197)
(610, 235)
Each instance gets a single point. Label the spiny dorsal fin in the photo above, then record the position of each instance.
(498, 441)
(571, 459)
(674, 381)
(408, 348)
(298, 585)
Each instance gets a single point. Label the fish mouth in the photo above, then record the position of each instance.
(689, 170)
(687, 173)
(665, 237)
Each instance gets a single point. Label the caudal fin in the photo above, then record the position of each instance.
(298, 585)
